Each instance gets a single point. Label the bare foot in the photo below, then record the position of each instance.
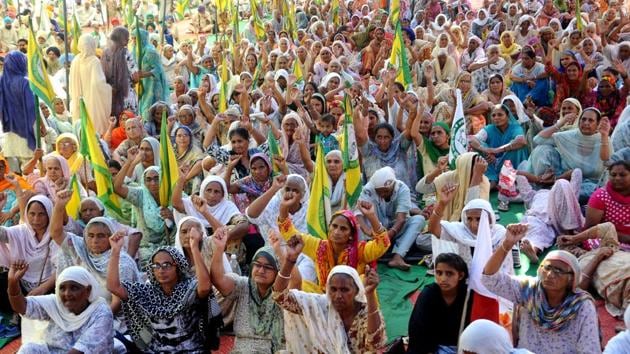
(530, 251)
(398, 262)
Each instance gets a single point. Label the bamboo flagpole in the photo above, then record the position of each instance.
(66, 63)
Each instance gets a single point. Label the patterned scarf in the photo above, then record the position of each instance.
(148, 301)
(551, 318)
(265, 316)
(325, 259)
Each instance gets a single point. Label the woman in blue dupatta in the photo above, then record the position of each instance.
(500, 141)
(153, 79)
(17, 110)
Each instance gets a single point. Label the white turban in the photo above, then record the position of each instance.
(383, 177)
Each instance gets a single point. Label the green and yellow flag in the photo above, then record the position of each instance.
(259, 27)
(223, 89)
(169, 172)
(127, 11)
(290, 24)
(274, 150)
(398, 59)
(38, 78)
(91, 148)
(350, 154)
(76, 33)
(180, 8)
(297, 71)
(74, 204)
(394, 12)
(235, 24)
(335, 11)
(318, 213)
(223, 5)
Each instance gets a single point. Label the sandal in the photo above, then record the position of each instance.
(504, 205)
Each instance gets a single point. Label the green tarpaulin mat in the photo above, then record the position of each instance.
(397, 286)
(393, 292)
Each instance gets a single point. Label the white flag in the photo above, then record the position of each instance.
(483, 251)
(459, 140)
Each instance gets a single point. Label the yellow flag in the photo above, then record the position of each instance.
(169, 172)
(223, 89)
(350, 155)
(318, 213)
(91, 148)
(74, 204)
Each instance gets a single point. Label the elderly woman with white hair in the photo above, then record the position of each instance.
(332, 84)
(79, 321)
(553, 314)
(346, 319)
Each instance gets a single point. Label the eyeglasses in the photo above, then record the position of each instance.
(266, 267)
(555, 270)
(165, 266)
(152, 179)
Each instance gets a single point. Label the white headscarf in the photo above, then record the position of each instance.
(383, 177)
(487, 337)
(324, 83)
(280, 74)
(319, 327)
(351, 272)
(206, 241)
(464, 236)
(480, 22)
(99, 204)
(520, 110)
(55, 309)
(24, 245)
(222, 211)
(437, 29)
(155, 146)
(339, 190)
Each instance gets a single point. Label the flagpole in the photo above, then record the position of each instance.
(164, 2)
(38, 131)
(216, 22)
(67, 53)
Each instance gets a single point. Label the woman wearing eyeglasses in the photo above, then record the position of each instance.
(553, 314)
(165, 314)
(258, 321)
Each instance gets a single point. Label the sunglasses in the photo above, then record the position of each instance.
(165, 266)
(266, 267)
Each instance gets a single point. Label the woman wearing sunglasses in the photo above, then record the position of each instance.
(552, 315)
(165, 314)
